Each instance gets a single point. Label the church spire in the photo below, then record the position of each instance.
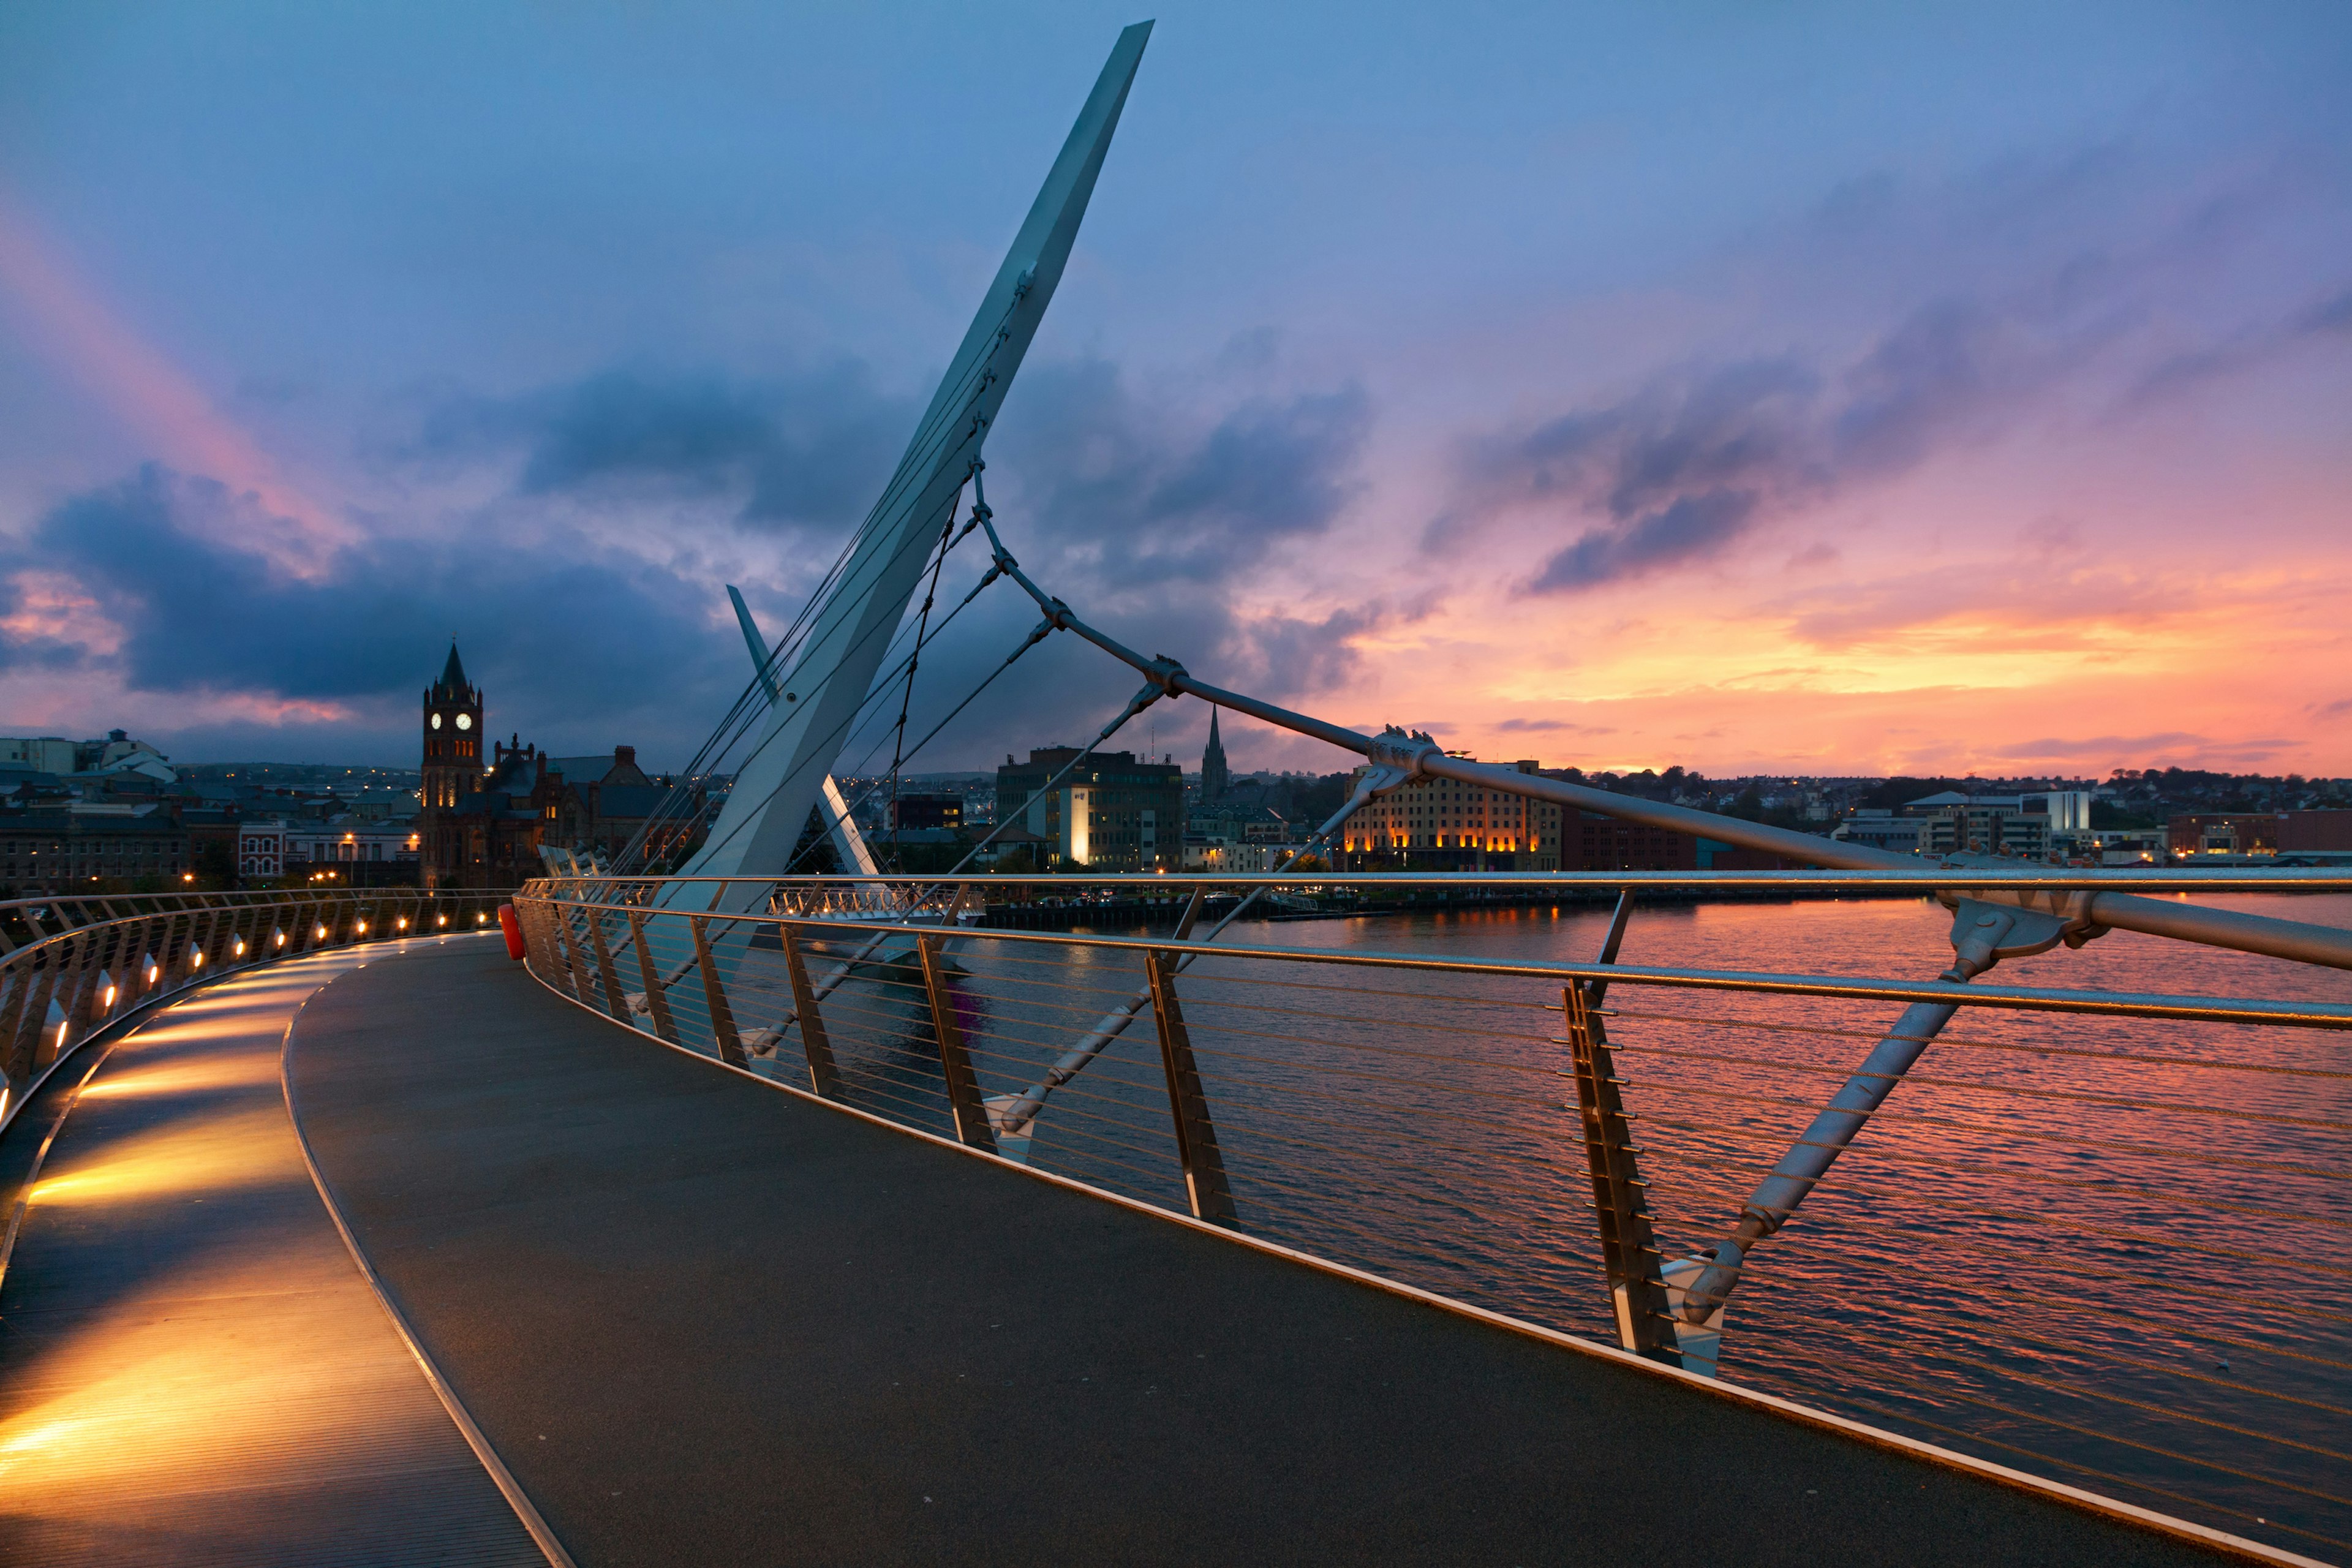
(453, 674)
(1214, 775)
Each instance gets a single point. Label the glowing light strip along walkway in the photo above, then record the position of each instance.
(192, 1369)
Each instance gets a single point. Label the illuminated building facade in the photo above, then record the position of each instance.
(1114, 811)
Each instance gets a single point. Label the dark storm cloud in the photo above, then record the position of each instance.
(1152, 517)
(1145, 494)
(1685, 466)
(565, 635)
(809, 449)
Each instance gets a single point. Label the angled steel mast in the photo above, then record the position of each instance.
(849, 844)
(831, 667)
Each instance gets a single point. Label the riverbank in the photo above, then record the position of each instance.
(1072, 913)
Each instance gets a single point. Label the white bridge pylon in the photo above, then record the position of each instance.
(848, 843)
(786, 770)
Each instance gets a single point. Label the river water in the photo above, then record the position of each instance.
(2114, 1252)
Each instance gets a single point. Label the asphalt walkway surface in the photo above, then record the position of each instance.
(704, 1320)
(192, 1370)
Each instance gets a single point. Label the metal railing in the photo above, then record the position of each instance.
(75, 963)
(2105, 1235)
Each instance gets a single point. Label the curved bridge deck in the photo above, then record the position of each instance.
(191, 1368)
(704, 1320)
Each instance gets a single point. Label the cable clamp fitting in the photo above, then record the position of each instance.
(1407, 751)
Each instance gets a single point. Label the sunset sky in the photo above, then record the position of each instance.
(1799, 388)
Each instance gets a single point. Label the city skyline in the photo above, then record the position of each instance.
(1747, 395)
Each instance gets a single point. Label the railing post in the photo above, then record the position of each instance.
(657, 996)
(567, 952)
(25, 1045)
(201, 947)
(605, 974)
(306, 922)
(136, 983)
(1188, 1105)
(17, 1065)
(1628, 1252)
(963, 1085)
(21, 979)
(49, 1044)
(823, 1075)
(80, 1011)
(532, 915)
(722, 1021)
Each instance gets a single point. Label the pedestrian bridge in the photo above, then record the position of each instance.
(391, 1253)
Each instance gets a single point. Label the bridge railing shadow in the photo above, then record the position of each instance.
(2100, 1234)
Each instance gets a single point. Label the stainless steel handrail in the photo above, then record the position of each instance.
(869, 976)
(68, 985)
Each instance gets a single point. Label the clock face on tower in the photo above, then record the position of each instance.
(436, 721)
(465, 720)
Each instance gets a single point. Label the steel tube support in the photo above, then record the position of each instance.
(1817, 1148)
(955, 1062)
(714, 995)
(607, 975)
(1188, 1105)
(823, 1078)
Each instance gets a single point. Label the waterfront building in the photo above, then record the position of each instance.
(1985, 825)
(261, 848)
(116, 752)
(1114, 811)
(922, 813)
(2261, 833)
(355, 854)
(2060, 810)
(1879, 828)
(39, 754)
(2111, 846)
(602, 803)
(60, 851)
(1441, 824)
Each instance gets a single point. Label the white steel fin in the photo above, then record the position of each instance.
(834, 664)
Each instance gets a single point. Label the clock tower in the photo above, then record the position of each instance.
(452, 736)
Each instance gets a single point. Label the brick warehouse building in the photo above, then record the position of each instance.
(1441, 825)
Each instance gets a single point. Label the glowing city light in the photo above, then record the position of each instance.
(322, 930)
